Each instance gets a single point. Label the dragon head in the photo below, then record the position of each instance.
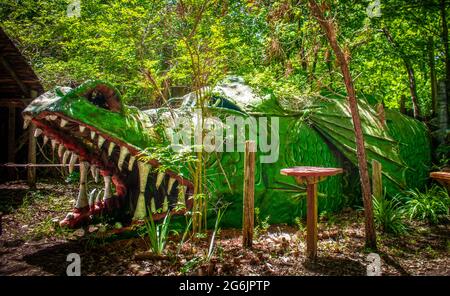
(90, 124)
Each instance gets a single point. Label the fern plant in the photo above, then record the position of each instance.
(431, 206)
(389, 215)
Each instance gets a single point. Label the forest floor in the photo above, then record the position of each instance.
(32, 244)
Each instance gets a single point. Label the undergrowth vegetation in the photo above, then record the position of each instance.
(392, 215)
(431, 206)
(157, 234)
(389, 215)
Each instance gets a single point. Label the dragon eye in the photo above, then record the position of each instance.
(104, 97)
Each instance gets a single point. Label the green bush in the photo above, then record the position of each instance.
(431, 206)
(389, 215)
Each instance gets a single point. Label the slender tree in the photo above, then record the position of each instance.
(433, 79)
(409, 70)
(329, 27)
(443, 10)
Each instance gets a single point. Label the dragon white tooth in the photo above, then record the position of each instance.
(53, 144)
(110, 148)
(144, 170)
(123, 153)
(92, 135)
(159, 179)
(98, 198)
(92, 197)
(93, 167)
(152, 205)
(37, 132)
(63, 123)
(65, 157)
(101, 140)
(47, 117)
(165, 204)
(60, 150)
(26, 123)
(131, 162)
(73, 160)
(81, 128)
(182, 194)
(94, 173)
(107, 192)
(170, 185)
(82, 200)
(45, 140)
(53, 117)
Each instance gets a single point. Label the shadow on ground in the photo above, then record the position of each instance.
(53, 259)
(12, 196)
(335, 266)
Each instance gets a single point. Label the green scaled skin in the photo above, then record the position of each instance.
(319, 133)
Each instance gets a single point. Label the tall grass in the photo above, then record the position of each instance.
(389, 215)
(219, 216)
(431, 206)
(157, 234)
(185, 233)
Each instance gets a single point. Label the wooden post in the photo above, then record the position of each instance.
(11, 139)
(249, 192)
(377, 183)
(311, 219)
(31, 172)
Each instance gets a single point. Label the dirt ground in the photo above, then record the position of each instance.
(31, 243)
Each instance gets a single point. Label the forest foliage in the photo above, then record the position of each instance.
(146, 48)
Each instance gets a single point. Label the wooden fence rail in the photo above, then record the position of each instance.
(35, 165)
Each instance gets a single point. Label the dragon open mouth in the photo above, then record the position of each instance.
(139, 185)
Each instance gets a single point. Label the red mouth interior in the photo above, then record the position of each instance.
(81, 142)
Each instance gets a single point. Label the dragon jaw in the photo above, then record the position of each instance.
(140, 184)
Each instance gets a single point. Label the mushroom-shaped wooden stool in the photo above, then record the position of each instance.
(311, 176)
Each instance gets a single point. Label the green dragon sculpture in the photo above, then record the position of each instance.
(140, 153)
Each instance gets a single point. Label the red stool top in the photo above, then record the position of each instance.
(445, 176)
(309, 171)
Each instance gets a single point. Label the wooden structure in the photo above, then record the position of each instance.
(249, 194)
(377, 181)
(18, 86)
(311, 176)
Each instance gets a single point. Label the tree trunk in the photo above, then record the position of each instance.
(413, 89)
(314, 63)
(410, 71)
(329, 29)
(12, 140)
(446, 50)
(402, 108)
(442, 113)
(433, 80)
